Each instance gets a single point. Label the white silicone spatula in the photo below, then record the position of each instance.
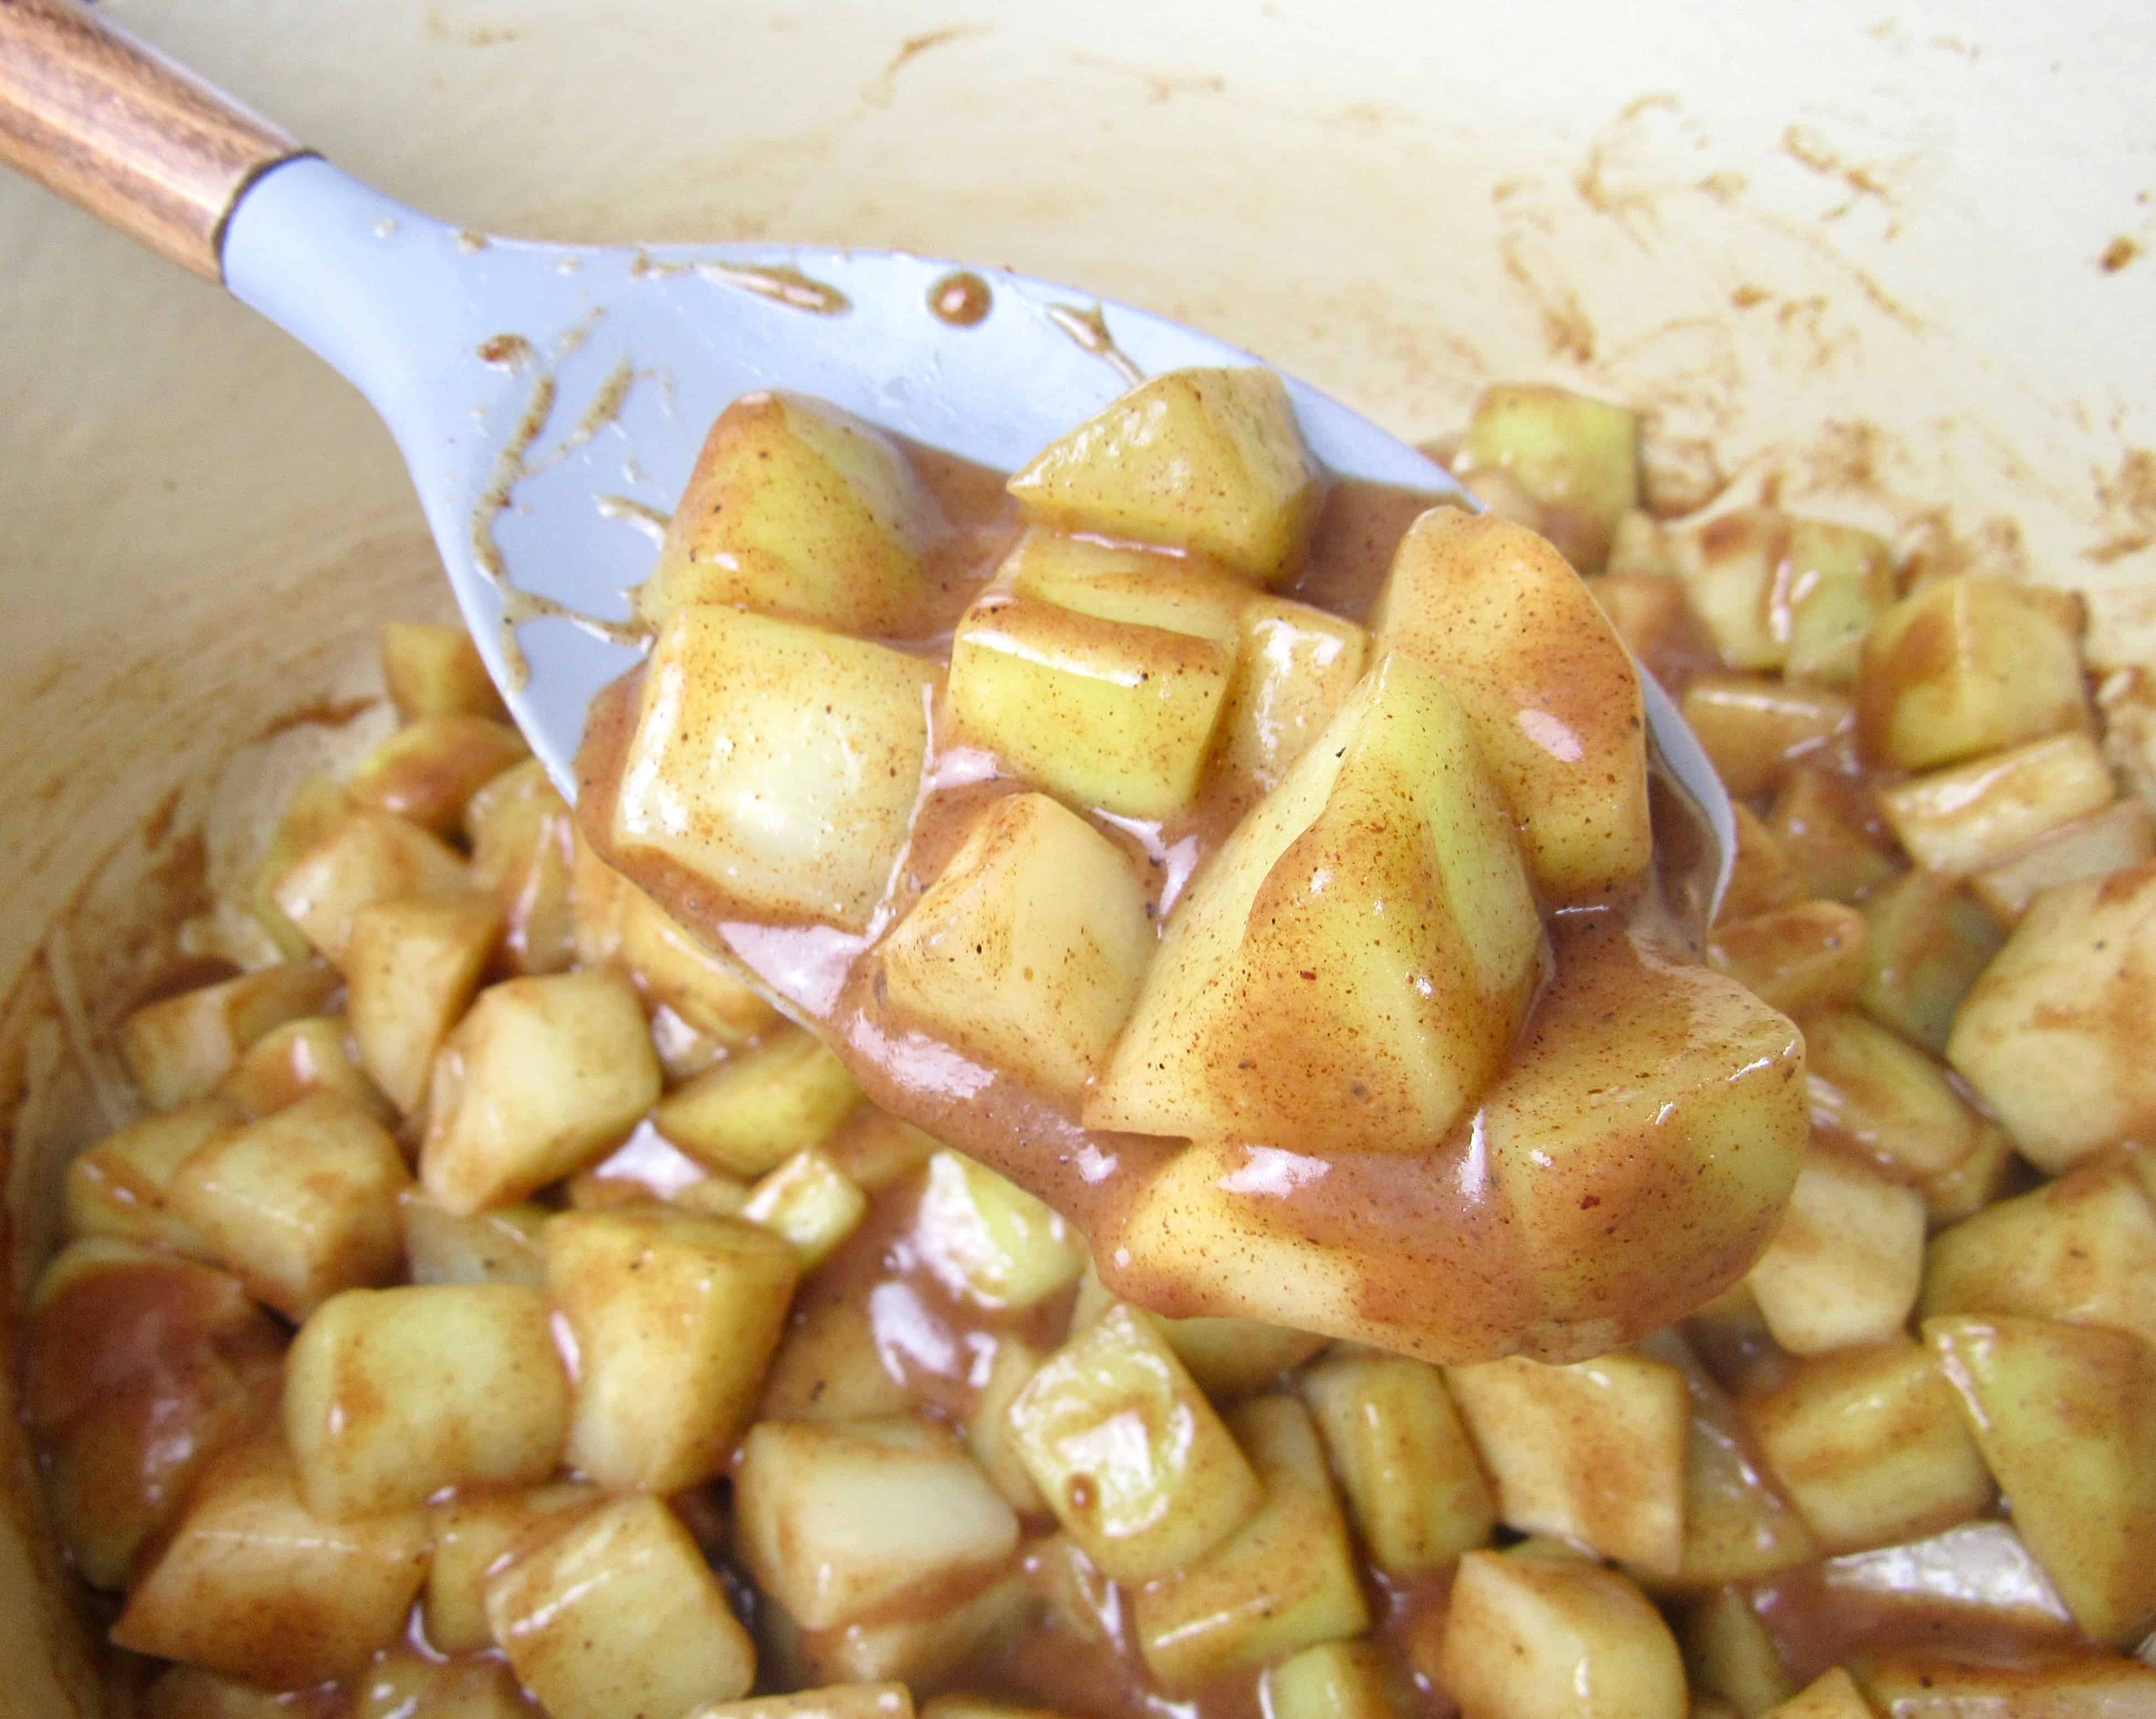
(550, 398)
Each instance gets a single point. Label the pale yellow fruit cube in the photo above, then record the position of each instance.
(431, 667)
(2081, 1249)
(677, 972)
(1347, 972)
(1103, 712)
(619, 1613)
(120, 1188)
(1964, 666)
(1594, 1452)
(1295, 666)
(925, 1648)
(1832, 1696)
(675, 1320)
(502, 1246)
(830, 1367)
(987, 1430)
(797, 508)
(1124, 582)
(318, 805)
(1550, 693)
(876, 1149)
(1974, 1182)
(1733, 569)
(1027, 950)
(1335, 1679)
(523, 851)
(1204, 459)
(1557, 1639)
(1914, 1685)
(1729, 1653)
(179, 1048)
(414, 964)
(1966, 817)
(835, 1700)
(540, 1076)
(1929, 941)
(2119, 837)
(408, 1683)
(367, 855)
(841, 1521)
(991, 1240)
(1869, 1445)
(427, 770)
(1079, 1599)
(747, 1115)
(392, 1395)
(1798, 959)
(1577, 459)
(2065, 1417)
(190, 1692)
(1836, 580)
(1230, 1357)
(1828, 824)
(1755, 728)
(970, 1707)
(1884, 1098)
(251, 1585)
(473, 1534)
(1410, 1474)
(1845, 1262)
(776, 763)
(1979, 1575)
(809, 1201)
(1135, 1463)
(1736, 1526)
(299, 1204)
(302, 1056)
(1283, 1581)
(2061, 1010)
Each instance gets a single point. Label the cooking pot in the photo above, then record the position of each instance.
(1885, 261)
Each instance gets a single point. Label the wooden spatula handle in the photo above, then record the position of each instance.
(116, 127)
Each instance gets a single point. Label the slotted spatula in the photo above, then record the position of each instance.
(549, 399)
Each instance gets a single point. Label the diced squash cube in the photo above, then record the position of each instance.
(137, 1367)
(1961, 820)
(1577, 457)
(414, 964)
(2061, 1010)
(498, 1246)
(1594, 1452)
(618, 1615)
(841, 1521)
(1833, 1694)
(470, 1535)
(432, 668)
(1869, 1446)
(1728, 1653)
(524, 851)
(747, 1115)
(1549, 693)
(365, 855)
(1028, 951)
(318, 805)
(1335, 1679)
(1411, 1479)
(1845, 1262)
(252, 1586)
(1348, 970)
(776, 763)
(1884, 1098)
(1756, 728)
(2065, 1417)
(540, 1076)
(1830, 831)
(1557, 1639)
(391, 1395)
(1798, 958)
(300, 1204)
(120, 1188)
(1115, 714)
(1964, 666)
(287, 1063)
(830, 1366)
(2081, 1249)
(1205, 459)
(2119, 837)
(1295, 667)
(1135, 1463)
(675, 1319)
(988, 1432)
(991, 1240)
(797, 508)
(1283, 1581)
(808, 1200)
(179, 1048)
(1838, 581)
(427, 769)
(836, 1701)
(1929, 941)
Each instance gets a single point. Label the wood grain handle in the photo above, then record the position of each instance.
(114, 126)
